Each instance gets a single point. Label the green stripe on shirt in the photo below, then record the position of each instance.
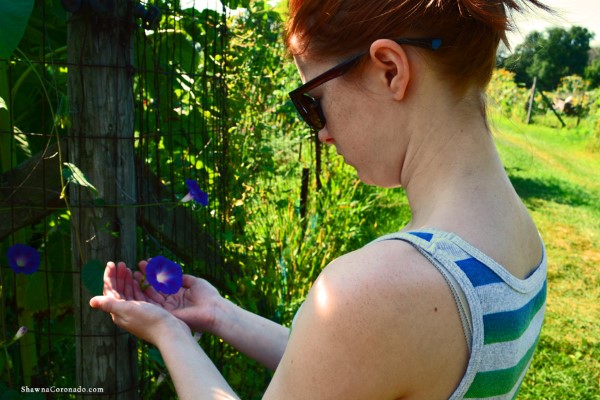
(510, 325)
(499, 382)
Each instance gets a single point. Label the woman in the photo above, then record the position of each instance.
(451, 306)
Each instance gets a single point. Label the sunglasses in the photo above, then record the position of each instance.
(309, 108)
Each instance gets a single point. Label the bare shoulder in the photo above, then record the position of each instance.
(379, 323)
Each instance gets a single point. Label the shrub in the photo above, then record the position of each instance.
(506, 97)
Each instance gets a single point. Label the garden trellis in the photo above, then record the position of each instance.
(99, 130)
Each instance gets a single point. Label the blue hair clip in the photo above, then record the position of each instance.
(436, 44)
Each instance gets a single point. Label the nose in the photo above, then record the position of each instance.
(325, 137)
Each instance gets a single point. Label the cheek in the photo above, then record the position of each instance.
(345, 111)
(338, 101)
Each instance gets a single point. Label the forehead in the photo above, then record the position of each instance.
(301, 65)
(309, 67)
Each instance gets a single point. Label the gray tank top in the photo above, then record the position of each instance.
(501, 315)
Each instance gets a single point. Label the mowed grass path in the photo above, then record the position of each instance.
(559, 180)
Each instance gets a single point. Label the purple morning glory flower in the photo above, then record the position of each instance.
(20, 333)
(164, 275)
(195, 193)
(23, 259)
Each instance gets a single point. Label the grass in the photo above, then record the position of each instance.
(552, 169)
(558, 178)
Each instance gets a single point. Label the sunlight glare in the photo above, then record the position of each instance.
(322, 298)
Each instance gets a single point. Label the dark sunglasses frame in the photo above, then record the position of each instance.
(309, 108)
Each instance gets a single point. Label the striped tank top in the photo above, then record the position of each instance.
(501, 315)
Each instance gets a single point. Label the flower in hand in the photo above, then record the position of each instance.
(164, 275)
(131, 309)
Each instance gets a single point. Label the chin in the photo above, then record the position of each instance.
(383, 182)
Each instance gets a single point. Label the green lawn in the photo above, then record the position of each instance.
(558, 177)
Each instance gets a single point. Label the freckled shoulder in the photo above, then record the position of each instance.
(379, 322)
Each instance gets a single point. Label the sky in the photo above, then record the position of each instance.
(585, 13)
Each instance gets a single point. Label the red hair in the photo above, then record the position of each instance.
(470, 30)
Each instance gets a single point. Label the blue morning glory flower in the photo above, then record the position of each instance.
(164, 275)
(23, 259)
(195, 193)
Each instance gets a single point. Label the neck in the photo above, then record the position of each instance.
(453, 154)
(455, 182)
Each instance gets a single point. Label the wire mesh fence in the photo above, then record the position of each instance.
(106, 115)
(107, 109)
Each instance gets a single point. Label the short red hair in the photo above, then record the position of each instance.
(470, 30)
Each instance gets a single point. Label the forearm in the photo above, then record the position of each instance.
(259, 338)
(193, 373)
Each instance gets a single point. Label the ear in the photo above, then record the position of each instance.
(391, 61)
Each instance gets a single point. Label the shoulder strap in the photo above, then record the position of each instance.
(422, 241)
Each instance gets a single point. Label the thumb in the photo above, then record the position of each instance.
(188, 280)
(102, 302)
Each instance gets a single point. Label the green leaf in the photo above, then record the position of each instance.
(14, 15)
(36, 296)
(73, 174)
(10, 394)
(233, 4)
(3, 104)
(92, 275)
(186, 57)
(155, 356)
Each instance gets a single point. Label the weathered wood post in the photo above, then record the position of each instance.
(101, 145)
(531, 99)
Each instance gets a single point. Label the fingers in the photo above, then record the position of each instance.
(146, 290)
(139, 276)
(153, 296)
(121, 278)
(109, 280)
(138, 294)
(188, 281)
(128, 290)
(118, 281)
(142, 265)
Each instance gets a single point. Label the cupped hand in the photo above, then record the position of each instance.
(129, 308)
(196, 303)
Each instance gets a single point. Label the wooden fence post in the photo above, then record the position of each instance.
(551, 106)
(531, 98)
(101, 145)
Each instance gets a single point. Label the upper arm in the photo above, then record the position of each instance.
(370, 329)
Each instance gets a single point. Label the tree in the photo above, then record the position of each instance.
(592, 71)
(550, 56)
(522, 57)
